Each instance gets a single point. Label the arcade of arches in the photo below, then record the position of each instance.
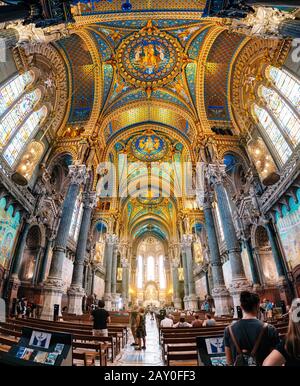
(148, 158)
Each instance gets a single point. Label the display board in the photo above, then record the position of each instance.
(211, 351)
(40, 348)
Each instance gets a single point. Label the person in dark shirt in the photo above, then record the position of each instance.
(287, 352)
(100, 318)
(247, 330)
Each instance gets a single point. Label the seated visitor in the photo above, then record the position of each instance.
(182, 323)
(197, 322)
(141, 329)
(249, 336)
(287, 352)
(209, 321)
(167, 322)
(100, 318)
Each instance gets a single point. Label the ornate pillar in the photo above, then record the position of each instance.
(286, 292)
(49, 243)
(125, 282)
(53, 287)
(219, 291)
(216, 174)
(14, 281)
(76, 290)
(252, 263)
(114, 275)
(175, 256)
(175, 277)
(187, 241)
(111, 240)
(185, 275)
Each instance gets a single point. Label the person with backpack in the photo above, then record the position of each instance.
(287, 353)
(249, 341)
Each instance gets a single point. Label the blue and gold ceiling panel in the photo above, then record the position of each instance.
(82, 77)
(216, 75)
(195, 46)
(108, 74)
(163, 95)
(132, 96)
(105, 50)
(191, 74)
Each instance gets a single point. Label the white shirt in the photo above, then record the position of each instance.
(167, 322)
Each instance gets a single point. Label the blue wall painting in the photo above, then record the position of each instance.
(9, 226)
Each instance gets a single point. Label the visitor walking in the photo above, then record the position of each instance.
(133, 324)
(141, 330)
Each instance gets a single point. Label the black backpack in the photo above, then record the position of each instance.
(245, 357)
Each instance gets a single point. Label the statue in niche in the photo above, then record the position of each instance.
(99, 252)
(211, 150)
(198, 254)
(151, 293)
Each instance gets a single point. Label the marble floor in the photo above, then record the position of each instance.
(149, 357)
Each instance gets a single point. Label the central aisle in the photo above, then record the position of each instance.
(149, 357)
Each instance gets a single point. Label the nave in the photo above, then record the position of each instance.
(149, 159)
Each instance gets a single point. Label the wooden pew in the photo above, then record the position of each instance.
(53, 327)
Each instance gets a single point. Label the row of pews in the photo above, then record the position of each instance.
(179, 344)
(87, 349)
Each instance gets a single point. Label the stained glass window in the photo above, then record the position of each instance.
(10, 122)
(12, 90)
(27, 131)
(140, 272)
(273, 134)
(287, 119)
(287, 84)
(150, 268)
(162, 273)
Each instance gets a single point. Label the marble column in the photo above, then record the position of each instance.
(239, 283)
(285, 288)
(219, 291)
(175, 277)
(49, 243)
(114, 276)
(125, 283)
(76, 291)
(14, 281)
(111, 240)
(187, 241)
(253, 266)
(186, 280)
(54, 285)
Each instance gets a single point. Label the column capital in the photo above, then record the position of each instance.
(111, 239)
(187, 240)
(215, 173)
(77, 174)
(89, 199)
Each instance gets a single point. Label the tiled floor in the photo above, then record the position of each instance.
(149, 357)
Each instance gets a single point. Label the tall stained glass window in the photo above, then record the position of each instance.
(162, 273)
(272, 134)
(13, 89)
(150, 268)
(23, 135)
(287, 119)
(139, 272)
(11, 121)
(288, 85)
